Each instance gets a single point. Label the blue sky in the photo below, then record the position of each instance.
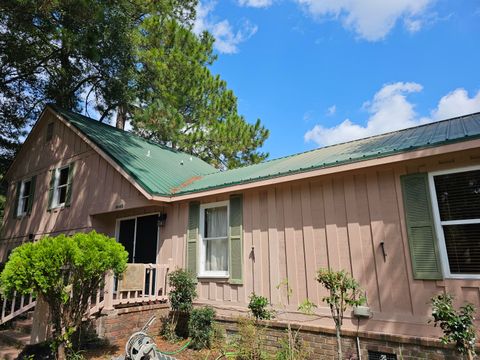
(317, 72)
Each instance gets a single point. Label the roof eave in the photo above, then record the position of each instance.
(310, 173)
(107, 158)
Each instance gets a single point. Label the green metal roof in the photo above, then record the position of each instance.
(424, 136)
(158, 169)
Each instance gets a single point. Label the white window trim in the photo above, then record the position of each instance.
(56, 192)
(117, 232)
(439, 224)
(201, 243)
(21, 198)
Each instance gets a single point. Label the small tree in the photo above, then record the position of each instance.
(65, 271)
(183, 290)
(344, 291)
(457, 325)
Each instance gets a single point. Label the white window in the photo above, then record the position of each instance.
(456, 198)
(60, 186)
(214, 240)
(24, 197)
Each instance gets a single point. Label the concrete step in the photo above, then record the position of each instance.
(24, 325)
(14, 337)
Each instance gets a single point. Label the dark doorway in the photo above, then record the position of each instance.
(139, 237)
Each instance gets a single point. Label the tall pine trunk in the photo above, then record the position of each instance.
(121, 117)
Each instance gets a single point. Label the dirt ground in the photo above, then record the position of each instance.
(107, 353)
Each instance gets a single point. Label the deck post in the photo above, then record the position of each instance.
(169, 269)
(108, 291)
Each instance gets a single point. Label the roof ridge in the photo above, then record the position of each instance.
(363, 138)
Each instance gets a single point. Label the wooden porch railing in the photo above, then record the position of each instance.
(19, 304)
(140, 284)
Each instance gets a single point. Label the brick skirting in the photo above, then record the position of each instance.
(117, 326)
(323, 344)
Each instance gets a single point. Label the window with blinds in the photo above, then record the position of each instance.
(458, 201)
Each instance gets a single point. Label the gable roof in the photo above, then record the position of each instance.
(162, 173)
(158, 169)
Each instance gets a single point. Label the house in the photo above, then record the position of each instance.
(400, 211)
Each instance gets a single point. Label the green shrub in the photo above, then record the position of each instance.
(201, 327)
(168, 329)
(457, 325)
(249, 343)
(258, 307)
(64, 271)
(183, 290)
(293, 348)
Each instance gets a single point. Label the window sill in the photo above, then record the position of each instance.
(58, 208)
(462, 277)
(212, 277)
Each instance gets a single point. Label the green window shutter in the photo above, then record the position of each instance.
(17, 198)
(236, 243)
(192, 236)
(422, 238)
(31, 198)
(51, 189)
(68, 197)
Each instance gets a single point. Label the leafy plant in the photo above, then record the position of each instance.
(65, 271)
(258, 307)
(344, 291)
(457, 325)
(183, 290)
(201, 327)
(249, 343)
(292, 347)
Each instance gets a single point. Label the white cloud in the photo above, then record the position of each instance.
(332, 110)
(456, 103)
(370, 19)
(226, 38)
(256, 3)
(390, 110)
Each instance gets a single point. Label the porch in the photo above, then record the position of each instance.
(139, 286)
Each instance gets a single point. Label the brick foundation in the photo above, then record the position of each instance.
(322, 343)
(116, 326)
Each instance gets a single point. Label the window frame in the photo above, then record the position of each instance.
(439, 224)
(22, 198)
(202, 273)
(56, 187)
(117, 233)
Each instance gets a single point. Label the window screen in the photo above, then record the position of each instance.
(458, 198)
(215, 241)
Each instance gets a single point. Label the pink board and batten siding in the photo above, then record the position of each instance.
(333, 221)
(97, 186)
